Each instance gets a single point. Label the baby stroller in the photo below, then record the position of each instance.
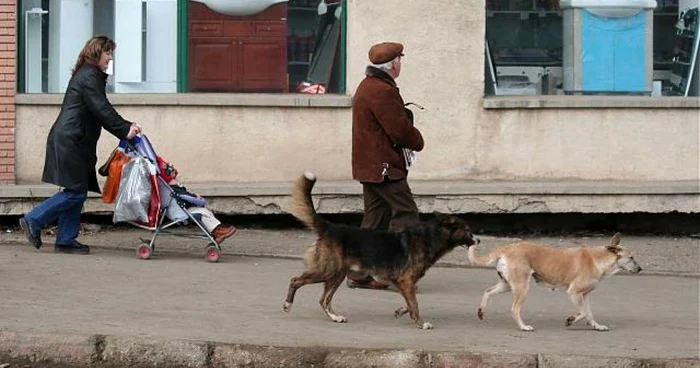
(146, 200)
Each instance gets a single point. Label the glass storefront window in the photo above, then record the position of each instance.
(54, 31)
(288, 46)
(313, 45)
(534, 47)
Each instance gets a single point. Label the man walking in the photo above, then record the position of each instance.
(381, 129)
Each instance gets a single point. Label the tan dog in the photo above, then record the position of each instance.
(574, 270)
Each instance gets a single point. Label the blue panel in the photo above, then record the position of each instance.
(612, 53)
(630, 61)
(597, 55)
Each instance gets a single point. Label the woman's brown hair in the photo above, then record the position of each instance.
(92, 51)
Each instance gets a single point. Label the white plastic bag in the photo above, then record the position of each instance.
(134, 192)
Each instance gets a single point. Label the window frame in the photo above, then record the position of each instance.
(588, 102)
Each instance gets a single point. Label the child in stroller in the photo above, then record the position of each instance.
(218, 230)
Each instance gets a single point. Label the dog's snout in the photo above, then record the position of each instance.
(476, 240)
(637, 268)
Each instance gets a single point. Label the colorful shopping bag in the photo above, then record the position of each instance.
(114, 175)
(154, 203)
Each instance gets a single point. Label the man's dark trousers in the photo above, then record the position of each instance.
(388, 205)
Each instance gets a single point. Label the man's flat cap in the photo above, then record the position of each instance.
(385, 52)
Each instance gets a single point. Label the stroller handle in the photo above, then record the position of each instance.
(131, 148)
(143, 150)
(130, 145)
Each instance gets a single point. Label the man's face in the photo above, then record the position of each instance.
(397, 67)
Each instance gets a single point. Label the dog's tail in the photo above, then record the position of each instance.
(302, 206)
(484, 260)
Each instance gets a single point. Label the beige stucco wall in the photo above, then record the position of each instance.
(211, 144)
(443, 71)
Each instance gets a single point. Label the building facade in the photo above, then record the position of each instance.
(518, 153)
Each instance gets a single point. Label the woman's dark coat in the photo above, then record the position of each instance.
(71, 148)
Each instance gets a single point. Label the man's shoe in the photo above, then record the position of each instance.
(366, 283)
(33, 236)
(73, 248)
(222, 232)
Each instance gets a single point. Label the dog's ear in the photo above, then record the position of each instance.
(614, 243)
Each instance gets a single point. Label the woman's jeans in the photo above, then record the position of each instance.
(65, 206)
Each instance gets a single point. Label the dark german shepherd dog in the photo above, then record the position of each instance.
(400, 258)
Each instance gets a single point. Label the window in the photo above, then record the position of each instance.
(578, 47)
(169, 46)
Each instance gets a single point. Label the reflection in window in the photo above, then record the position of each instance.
(289, 46)
(535, 50)
(52, 33)
(313, 46)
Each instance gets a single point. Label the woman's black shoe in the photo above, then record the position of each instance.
(74, 248)
(34, 237)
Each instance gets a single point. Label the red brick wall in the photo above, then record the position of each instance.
(8, 86)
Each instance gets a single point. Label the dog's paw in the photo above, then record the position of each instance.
(527, 328)
(601, 327)
(287, 307)
(570, 321)
(480, 314)
(426, 326)
(339, 319)
(400, 312)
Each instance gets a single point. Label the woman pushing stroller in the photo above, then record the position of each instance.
(71, 149)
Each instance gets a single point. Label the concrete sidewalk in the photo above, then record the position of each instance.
(111, 309)
(658, 255)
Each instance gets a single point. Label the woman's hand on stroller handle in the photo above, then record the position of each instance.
(134, 130)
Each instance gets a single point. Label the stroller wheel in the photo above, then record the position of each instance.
(212, 254)
(144, 252)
